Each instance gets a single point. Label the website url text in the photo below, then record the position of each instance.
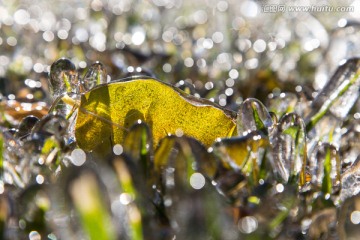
(274, 8)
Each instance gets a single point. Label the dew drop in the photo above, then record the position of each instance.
(118, 149)
(355, 217)
(138, 37)
(78, 157)
(125, 198)
(40, 179)
(167, 67)
(233, 73)
(230, 82)
(197, 181)
(279, 187)
(259, 46)
(248, 224)
(189, 62)
(22, 17)
(139, 71)
(179, 132)
(34, 235)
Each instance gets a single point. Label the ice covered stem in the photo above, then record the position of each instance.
(95, 75)
(64, 86)
(253, 116)
(339, 94)
(289, 148)
(325, 168)
(350, 184)
(63, 78)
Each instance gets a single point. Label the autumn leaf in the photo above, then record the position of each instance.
(109, 110)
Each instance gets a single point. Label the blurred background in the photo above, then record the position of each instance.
(280, 52)
(228, 49)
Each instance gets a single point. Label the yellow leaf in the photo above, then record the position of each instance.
(108, 111)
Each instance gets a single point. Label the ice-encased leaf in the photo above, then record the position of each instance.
(289, 148)
(236, 151)
(253, 116)
(339, 94)
(325, 168)
(243, 154)
(107, 112)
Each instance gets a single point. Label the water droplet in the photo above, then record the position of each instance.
(138, 72)
(118, 149)
(248, 224)
(78, 157)
(253, 116)
(279, 187)
(138, 36)
(233, 73)
(197, 181)
(186, 87)
(95, 75)
(22, 17)
(40, 179)
(63, 78)
(259, 46)
(34, 235)
(125, 198)
(179, 132)
(355, 217)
